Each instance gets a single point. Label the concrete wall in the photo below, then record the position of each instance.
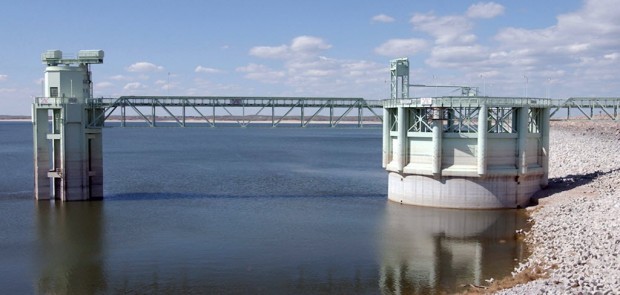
(462, 192)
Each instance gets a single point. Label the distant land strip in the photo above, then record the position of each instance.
(365, 119)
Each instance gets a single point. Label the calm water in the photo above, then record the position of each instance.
(231, 210)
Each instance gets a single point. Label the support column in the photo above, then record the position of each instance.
(183, 113)
(523, 129)
(401, 151)
(123, 118)
(386, 137)
(273, 114)
(544, 134)
(437, 146)
(41, 153)
(302, 115)
(57, 153)
(483, 127)
(153, 124)
(360, 115)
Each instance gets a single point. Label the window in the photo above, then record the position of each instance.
(53, 91)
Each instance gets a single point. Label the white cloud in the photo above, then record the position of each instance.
(3, 77)
(457, 56)
(580, 38)
(446, 29)
(612, 56)
(165, 84)
(261, 73)
(309, 44)
(119, 78)
(485, 10)
(401, 47)
(104, 85)
(303, 67)
(579, 47)
(134, 86)
(281, 51)
(382, 18)
(300, 47)
(201, 69)
(142, 67)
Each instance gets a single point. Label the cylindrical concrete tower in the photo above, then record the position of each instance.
(466, 152)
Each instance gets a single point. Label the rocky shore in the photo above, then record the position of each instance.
(575, 237)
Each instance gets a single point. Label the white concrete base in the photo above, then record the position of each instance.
(463, 192)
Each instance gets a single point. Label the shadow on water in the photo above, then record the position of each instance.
(70, 250)
(431, 250)
(568, 182)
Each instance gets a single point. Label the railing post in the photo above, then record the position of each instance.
(523, 130)
(402, 139)
(544, 133)
(482, 139)
(386, 137)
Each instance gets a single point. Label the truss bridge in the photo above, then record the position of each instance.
(212, 111)
(587, 108)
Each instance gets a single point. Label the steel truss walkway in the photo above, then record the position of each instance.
(587, 108)
(213, 111)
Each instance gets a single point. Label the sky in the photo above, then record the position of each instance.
(322, 48)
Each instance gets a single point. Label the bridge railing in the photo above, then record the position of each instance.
(467, 101)
(574, 108)
(54, 101)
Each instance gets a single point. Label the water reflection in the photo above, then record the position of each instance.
(70, 248)
(269, 246)
(429, 250)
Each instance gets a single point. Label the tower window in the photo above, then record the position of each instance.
(53, 91)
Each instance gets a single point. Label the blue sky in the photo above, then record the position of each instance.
(315, 48)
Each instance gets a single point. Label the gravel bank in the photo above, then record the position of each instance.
(576, 231)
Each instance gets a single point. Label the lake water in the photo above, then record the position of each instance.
(240, 211)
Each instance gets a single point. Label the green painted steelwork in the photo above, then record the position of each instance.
(214, 110)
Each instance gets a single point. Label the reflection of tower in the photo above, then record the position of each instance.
(430, 250)
(68, 155)
(70, 242)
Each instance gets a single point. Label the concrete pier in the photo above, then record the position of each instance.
(491, 153)
(463, 151)
(66, 134)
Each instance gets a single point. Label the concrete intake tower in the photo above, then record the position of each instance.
(471, 152)
(68, 154)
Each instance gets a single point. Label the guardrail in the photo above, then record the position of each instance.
(467, 101)
(55, 101)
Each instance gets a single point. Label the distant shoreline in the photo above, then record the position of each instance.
(15, 120)
(218, 120)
